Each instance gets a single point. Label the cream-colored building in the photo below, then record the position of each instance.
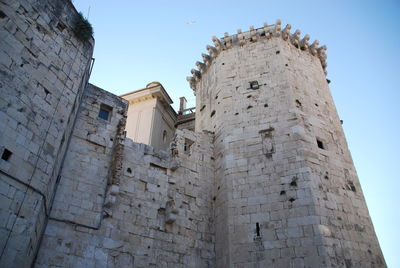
(151, 119)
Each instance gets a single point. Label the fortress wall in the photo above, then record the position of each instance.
(256, 157)
(160, 213)
(273, 205)
(43, 70)
(87, 168)
(349, 239)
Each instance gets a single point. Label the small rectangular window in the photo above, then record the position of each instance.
(6, 154)
(105, 112)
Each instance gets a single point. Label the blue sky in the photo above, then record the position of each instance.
(138, 42)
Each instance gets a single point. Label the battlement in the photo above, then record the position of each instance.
(254, 35)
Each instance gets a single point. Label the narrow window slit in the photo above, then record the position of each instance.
(258, 229)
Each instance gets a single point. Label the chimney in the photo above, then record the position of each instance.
(182, 104)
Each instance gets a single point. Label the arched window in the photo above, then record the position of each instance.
(164, 136)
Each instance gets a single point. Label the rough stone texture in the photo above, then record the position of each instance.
(265, 180)
(280, 199)
(43, 70)
(185, 121)
(159, 218)
(85, 174)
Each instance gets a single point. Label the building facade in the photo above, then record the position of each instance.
(259, 176)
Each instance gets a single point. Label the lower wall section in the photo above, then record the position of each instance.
(158, 213)
(22, 217)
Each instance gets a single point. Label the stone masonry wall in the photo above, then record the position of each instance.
(43, 70)
(349, 238)
(86, 170)
(161, 214)
(269, 105)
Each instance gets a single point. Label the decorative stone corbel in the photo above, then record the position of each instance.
(111, 198)
(324, 63)
(227, 40)
(267, 31)
(217, 43)
(322, 52)
(241, 39)
(212, 51)
(201, 66)
(253, 34)
(196, 74)
(286, 32)
(277, 28)
(314, 48)
(192, 82)
(171, 212)
(295, 38)
(175, 163)
(206, 59)
(304, 42)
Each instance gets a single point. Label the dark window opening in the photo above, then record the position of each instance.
(258, 229)
(254, 85)
(187, 145)
(6, 154)
(320, 144)
(61, 26)
(352, 187)
(164, 136)
(212, 113)
(2, 15)
(105, 112)
(129, 170)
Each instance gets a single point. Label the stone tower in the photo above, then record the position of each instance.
(265, 180)
(286, 190)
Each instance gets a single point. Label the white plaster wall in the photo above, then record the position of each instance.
(140, 120)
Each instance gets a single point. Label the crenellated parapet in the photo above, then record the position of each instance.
(254, 35)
